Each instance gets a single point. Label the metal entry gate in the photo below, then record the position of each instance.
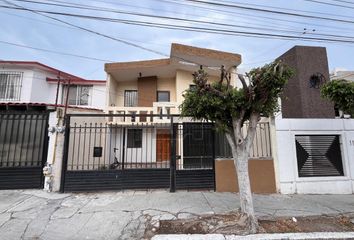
(23, 149)
(116, 151)
(195, 154)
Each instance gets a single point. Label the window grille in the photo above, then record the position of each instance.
(130, 98)
(10, 86)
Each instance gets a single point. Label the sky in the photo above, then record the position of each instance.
(30, 29)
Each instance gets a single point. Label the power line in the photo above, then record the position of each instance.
(218, 10)
(279, 8)
(325, 37)
(68, 27)
(55, 52)
(89, 7)
(233, 13)
(330, 4)
(101, 34)
(169, 11)
(220, 4)
(343, 1)
(86, 29)
(81, 6)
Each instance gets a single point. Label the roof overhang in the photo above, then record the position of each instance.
(183, 57)
(38, 65)
(77, 81)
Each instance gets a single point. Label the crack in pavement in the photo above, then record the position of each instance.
(15, 204)
(212, 209)
(49, 218)
(25, 230)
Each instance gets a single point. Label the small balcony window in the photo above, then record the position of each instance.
(10, 86)
(130, 98)
(78, 95)
(163, 96)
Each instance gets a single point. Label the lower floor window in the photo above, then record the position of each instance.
(134, 138)
(318, 155)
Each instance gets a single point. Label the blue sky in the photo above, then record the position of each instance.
(27, 28)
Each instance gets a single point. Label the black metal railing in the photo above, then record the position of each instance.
(22, 139)
(95, 143)
(103, 146)
(103, 153)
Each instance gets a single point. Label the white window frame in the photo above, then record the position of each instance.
(77, 94)
(14, 81)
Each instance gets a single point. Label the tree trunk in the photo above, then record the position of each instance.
(246, 200)
(240, 151)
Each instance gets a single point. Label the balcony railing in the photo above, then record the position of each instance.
(144, 114)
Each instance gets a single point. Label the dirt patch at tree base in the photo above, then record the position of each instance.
(235, 223)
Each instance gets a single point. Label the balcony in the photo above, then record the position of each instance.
(143, 114)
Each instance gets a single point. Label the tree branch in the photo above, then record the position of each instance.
(243, 81)
(252, 128)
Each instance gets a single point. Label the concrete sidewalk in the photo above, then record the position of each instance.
(34, 214)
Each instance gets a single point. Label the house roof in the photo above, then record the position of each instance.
(79, 81)
(137, 64)
(63, 75)
(182, 57)
(180, 50)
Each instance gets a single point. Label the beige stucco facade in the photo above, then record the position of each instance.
(174, 75)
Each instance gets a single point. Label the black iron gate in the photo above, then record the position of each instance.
(119, 151)
(23, 149)
(195, 154)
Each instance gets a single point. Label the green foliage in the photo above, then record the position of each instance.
(341, 93)
(220, 103)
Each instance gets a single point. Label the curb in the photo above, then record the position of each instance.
(275, 236)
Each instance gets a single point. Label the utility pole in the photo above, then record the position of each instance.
(67, 98)
(57, 95)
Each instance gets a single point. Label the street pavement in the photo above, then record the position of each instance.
(35, 214)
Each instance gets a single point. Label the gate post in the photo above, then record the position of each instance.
(213, 132)
(65, 152)
(173, 157)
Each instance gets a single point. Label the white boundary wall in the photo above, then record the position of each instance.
(290, 183)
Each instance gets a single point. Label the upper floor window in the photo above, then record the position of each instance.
(130, 98)
(163, 96)
(78, 95)
(10, 86)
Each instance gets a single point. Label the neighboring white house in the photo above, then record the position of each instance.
(339, 73)
(34, 82)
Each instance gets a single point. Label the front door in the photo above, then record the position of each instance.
(163, 145)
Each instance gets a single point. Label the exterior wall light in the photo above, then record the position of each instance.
(316, 80)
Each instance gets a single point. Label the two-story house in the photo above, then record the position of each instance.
(24, 82)
(152, 87)
(30, 92)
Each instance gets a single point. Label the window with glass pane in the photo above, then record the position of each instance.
(10, 86)
(163, 96)
(134, 138)
(130, 98)
(78, 95)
